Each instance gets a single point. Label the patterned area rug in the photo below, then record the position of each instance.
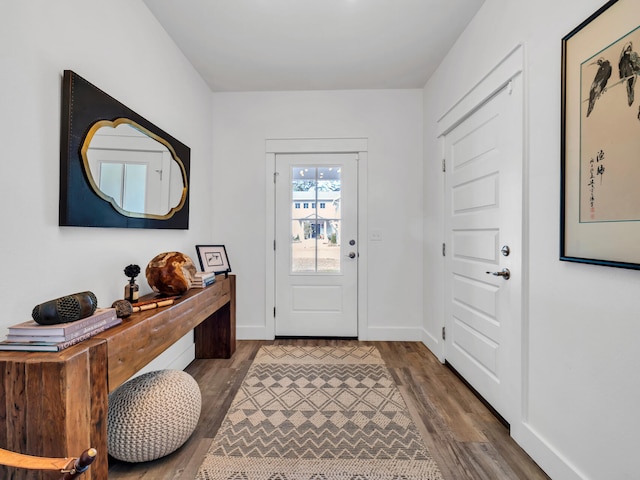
(318, 413)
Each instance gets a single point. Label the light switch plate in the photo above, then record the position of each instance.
(375, 235)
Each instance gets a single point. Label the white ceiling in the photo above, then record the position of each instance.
(258, 45)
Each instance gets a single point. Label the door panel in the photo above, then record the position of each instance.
(306, 298)
(480, 349)
(316, 231)
(483, 211)
(481, 193)
(480, 245)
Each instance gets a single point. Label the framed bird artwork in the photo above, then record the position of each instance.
(600, 151)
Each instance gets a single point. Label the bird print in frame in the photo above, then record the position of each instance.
(610, 132)
(600, 174)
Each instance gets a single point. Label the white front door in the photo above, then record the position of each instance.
(316, 245)
(483, 261)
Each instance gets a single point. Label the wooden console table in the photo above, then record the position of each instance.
(55, 404)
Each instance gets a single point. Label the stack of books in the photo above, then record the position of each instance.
(32, 337)
(203, 279)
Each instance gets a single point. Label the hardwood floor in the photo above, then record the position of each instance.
(463, 436)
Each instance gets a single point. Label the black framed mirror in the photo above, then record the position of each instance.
(117, 169)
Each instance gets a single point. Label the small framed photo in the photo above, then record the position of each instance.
(213, 258)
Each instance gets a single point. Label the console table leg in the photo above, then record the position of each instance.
(55, 409)
(216, 336)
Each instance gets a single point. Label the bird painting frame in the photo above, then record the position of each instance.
(600, 138)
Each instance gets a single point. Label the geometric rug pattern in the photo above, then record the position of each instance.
(318, 413)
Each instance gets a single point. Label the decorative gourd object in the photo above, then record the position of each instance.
(170, 273)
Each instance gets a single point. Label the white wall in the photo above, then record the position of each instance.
(580, 379)
(391, 120)
(119, 47)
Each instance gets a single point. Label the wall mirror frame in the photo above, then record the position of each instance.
(85, 110)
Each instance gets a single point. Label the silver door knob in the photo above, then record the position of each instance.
(351, 255)
(504, 273)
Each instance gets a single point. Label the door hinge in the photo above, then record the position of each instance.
(444, 164)
(275, 176)
(274, 245)
(444, 333)
(274, 312)
(444, 249)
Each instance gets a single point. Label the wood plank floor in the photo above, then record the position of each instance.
(464, 438)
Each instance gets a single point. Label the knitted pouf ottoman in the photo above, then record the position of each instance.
(152, 415)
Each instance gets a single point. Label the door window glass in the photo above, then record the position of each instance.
(315, 235)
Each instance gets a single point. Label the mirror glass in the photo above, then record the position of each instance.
(133, 169)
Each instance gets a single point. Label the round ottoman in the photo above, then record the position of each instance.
(152, 415)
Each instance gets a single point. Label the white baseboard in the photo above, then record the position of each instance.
(391, 334)
(375, 334)
(544, 454)
(253, 332)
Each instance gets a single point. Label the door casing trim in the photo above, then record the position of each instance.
(277, 146)
(512, 65)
